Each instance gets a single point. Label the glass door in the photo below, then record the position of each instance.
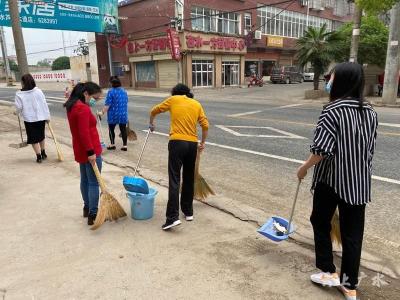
(230, 73)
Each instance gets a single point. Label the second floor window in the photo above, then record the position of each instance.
(209, 20)
(247, 22)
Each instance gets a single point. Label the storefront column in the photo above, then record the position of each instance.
(218, 71)
(133, 74)
(242, 69)
(188, 67)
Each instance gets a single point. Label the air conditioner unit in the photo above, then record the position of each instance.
(316, 5)
(126, 68)
(246, 32)
(257, 35)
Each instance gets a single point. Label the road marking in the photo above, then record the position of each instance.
(378, 178)
(390, 125)
(245, 114)
(289, 106)
(284, 134)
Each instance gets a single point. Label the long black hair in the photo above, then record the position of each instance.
(28, 83)
(181, 89)
(78, 93)
(115, 82)
(349, 82)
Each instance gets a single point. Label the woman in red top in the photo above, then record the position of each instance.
(85, 142)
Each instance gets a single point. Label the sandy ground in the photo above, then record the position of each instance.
(48, 252)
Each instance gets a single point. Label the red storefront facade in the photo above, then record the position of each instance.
(212, 40)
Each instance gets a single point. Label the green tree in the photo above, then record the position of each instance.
(373, 41)
(376, 6)
(43, 63)
(319, 48)
(13, 65)
(61, 63)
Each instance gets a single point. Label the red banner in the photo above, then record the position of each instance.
(175, 44)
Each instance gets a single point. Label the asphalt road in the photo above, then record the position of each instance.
(258, 137)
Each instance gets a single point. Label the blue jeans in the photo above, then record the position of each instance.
(90, 186)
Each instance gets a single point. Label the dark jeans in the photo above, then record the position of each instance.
(90, 186)
(182, 154)
(352, 219)
(122, 128)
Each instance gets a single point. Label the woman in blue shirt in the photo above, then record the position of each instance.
(116, 107)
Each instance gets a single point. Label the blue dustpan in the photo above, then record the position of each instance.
(135, 185)
(268, 229)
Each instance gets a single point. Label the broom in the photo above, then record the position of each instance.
(110, 209)
(130, 133)
(59, 153)
(201, 188)
(335, 231)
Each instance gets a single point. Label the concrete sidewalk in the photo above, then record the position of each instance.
(48, 252)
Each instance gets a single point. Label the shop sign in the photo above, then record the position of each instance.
(150, 45)
(82, 15)
(174, 44)
(61, 76)
(274, 41)
(215, 43)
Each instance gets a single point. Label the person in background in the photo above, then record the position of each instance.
(31, 103)
(342, 152)
(185, 113)
(116, 107)
(85, 142)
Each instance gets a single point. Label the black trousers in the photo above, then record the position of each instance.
(352, 219)
(182, 155)
(122, 128)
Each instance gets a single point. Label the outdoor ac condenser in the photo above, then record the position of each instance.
(257, 35)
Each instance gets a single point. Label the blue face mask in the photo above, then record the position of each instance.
(92, 102)
(328, 87)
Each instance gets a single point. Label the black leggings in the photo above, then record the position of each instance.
(351, 228)
(122, 128)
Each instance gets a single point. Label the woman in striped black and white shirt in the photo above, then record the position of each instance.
(342, 152)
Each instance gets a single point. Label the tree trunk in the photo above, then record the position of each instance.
(316, 80)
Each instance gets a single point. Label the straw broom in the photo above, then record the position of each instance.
(201, 188)
(59, 152)
(110, 209)
(130, 133)
(335, 231)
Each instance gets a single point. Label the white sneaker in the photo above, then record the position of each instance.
(326, 279)
(348, 294)
(169, 224)
(189, 218)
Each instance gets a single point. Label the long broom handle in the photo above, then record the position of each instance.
(101, 128)
(61, 157)
(141, 153)
(293, 207)
(20, 128)
(99, 178)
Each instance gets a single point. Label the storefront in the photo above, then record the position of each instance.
(207, 61)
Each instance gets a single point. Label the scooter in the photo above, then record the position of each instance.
(255, 80)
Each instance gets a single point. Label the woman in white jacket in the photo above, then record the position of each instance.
(31, 103)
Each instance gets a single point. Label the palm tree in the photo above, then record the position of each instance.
(319, 48)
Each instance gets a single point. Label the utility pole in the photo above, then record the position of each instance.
(63, 40)
(391, 83)
(18, 37)
(355, 40)
(109, 55)
(5, 56)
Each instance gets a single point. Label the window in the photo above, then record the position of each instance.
(204, 19)
(202, 73)
(146, 72)
(247, 22)
(117, 68)
(274, 21)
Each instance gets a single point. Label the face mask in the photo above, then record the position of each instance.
(328, 87)
(92, 102)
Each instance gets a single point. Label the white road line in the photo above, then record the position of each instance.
(9, 103)
(291, 105)
(284, 134)
(245, 114)
(378, 178)
(56, 98)
(390, 125)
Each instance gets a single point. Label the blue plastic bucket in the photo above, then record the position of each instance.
(142, 205)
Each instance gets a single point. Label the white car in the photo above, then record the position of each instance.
(308, 75)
